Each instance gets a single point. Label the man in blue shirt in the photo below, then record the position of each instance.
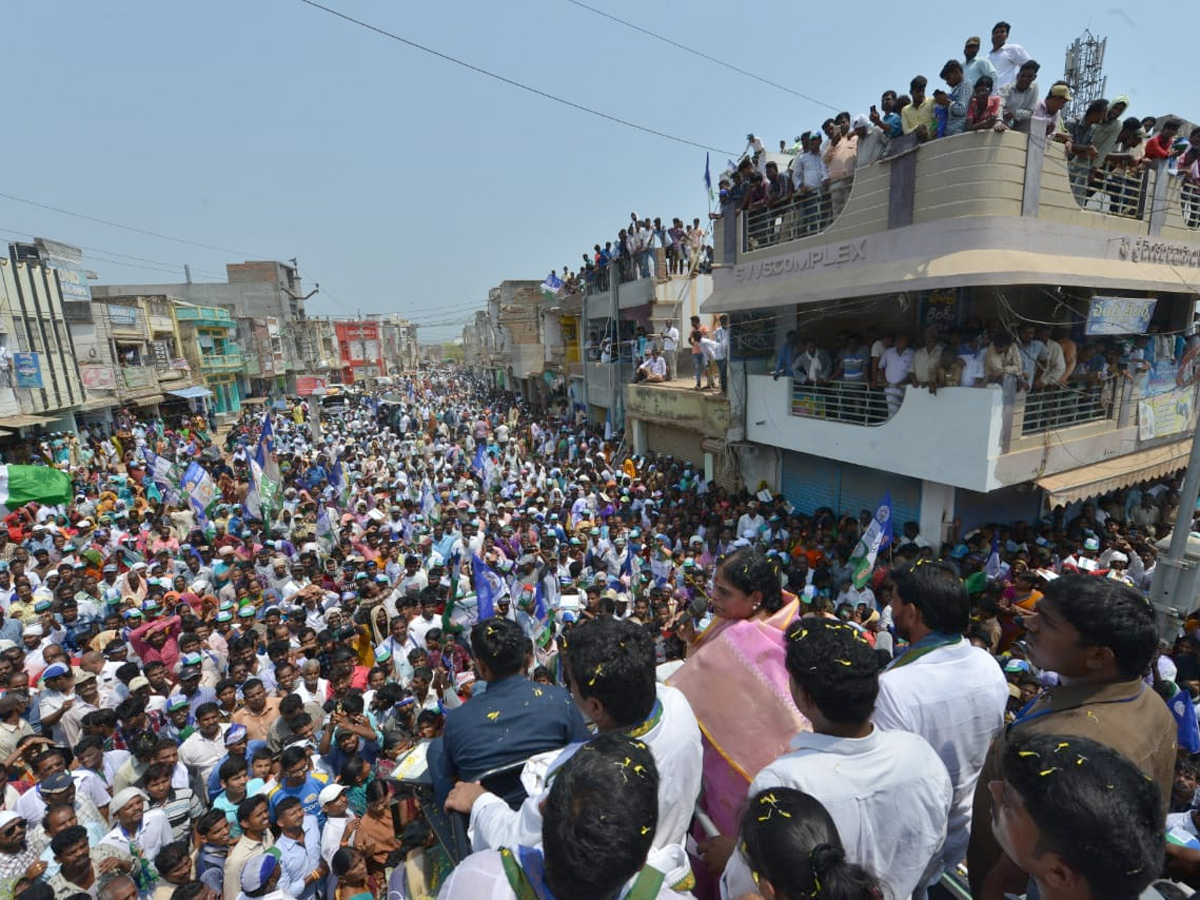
(512, 721)
(298, 782)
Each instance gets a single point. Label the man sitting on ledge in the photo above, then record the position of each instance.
(654, 369)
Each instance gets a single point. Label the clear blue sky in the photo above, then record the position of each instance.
(406, 184)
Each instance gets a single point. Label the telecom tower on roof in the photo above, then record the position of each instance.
(1083, 72)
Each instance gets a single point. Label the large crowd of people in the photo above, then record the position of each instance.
(434, 644)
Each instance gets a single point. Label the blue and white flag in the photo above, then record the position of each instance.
(327, 535)
(480, 457)
(489, 587)
(552, 285)
(877, 536)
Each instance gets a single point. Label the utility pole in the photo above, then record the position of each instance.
(1165, 587)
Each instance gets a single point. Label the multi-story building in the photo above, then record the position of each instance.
(981, 232)
(360, 350)
(269, 292)
(206, 333)
(130, 354)
(40, 385)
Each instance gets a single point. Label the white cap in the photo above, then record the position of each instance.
(329, 793)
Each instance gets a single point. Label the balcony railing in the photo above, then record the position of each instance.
(855, 403)
(852, 402)
(1118, 192)
(221, 362)
(135, 378)
(798, 216)
(1189, 200)
(1061, 407)
(204, 315)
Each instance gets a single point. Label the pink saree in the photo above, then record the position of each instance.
(737, 684)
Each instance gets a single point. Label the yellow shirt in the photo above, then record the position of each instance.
(912, 116)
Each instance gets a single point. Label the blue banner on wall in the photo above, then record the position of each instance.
(29, 370)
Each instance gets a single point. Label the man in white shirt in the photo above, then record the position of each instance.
(611, 675)
(670, 349)
(56, 699)
(654, 369)
(888, 793)
(205, 747)
(751, 519)
(1007, 58)
(604, 793)
(943, 688)
(895, 366)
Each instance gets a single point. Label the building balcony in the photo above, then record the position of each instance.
(138, 380)
(205, 316)
(980, 439)
(222, 362)
(981, 209)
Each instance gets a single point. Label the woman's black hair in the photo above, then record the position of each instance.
(790, 840)
(343, 860)
(377, 790)
(749, 569)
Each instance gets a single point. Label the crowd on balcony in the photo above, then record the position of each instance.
(1107, 149)
(1029, 357)
(633, 254)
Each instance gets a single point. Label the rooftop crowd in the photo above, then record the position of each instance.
(713, 694)
(1107, 149)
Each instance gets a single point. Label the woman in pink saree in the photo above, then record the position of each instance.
(737, 684)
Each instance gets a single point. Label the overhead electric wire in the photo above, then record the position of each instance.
(712, 59)
(135, 230)
(545, 95)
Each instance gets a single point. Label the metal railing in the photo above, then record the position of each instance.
(204, 315)
(851, 402)
(222, 361)
(1115, 192)
(1189, 201)
(1061, 407)
(800, 215)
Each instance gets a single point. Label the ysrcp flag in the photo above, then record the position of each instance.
(327, 534)
(198, 485)
(877, 535)
(32, 484)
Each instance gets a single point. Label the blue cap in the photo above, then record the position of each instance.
(55, 670)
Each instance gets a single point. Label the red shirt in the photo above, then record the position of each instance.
(1158, 148)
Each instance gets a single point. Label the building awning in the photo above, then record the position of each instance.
(1113, 474)
(969, 268)
(191, 393)
(97, 403)
(24, 421)
(253, 401)
(149, 401)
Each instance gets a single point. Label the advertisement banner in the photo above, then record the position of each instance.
(72, 275)
(1164, 414)
(29, 370)
(307, 384)
(98, 378)
(1119, 315)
